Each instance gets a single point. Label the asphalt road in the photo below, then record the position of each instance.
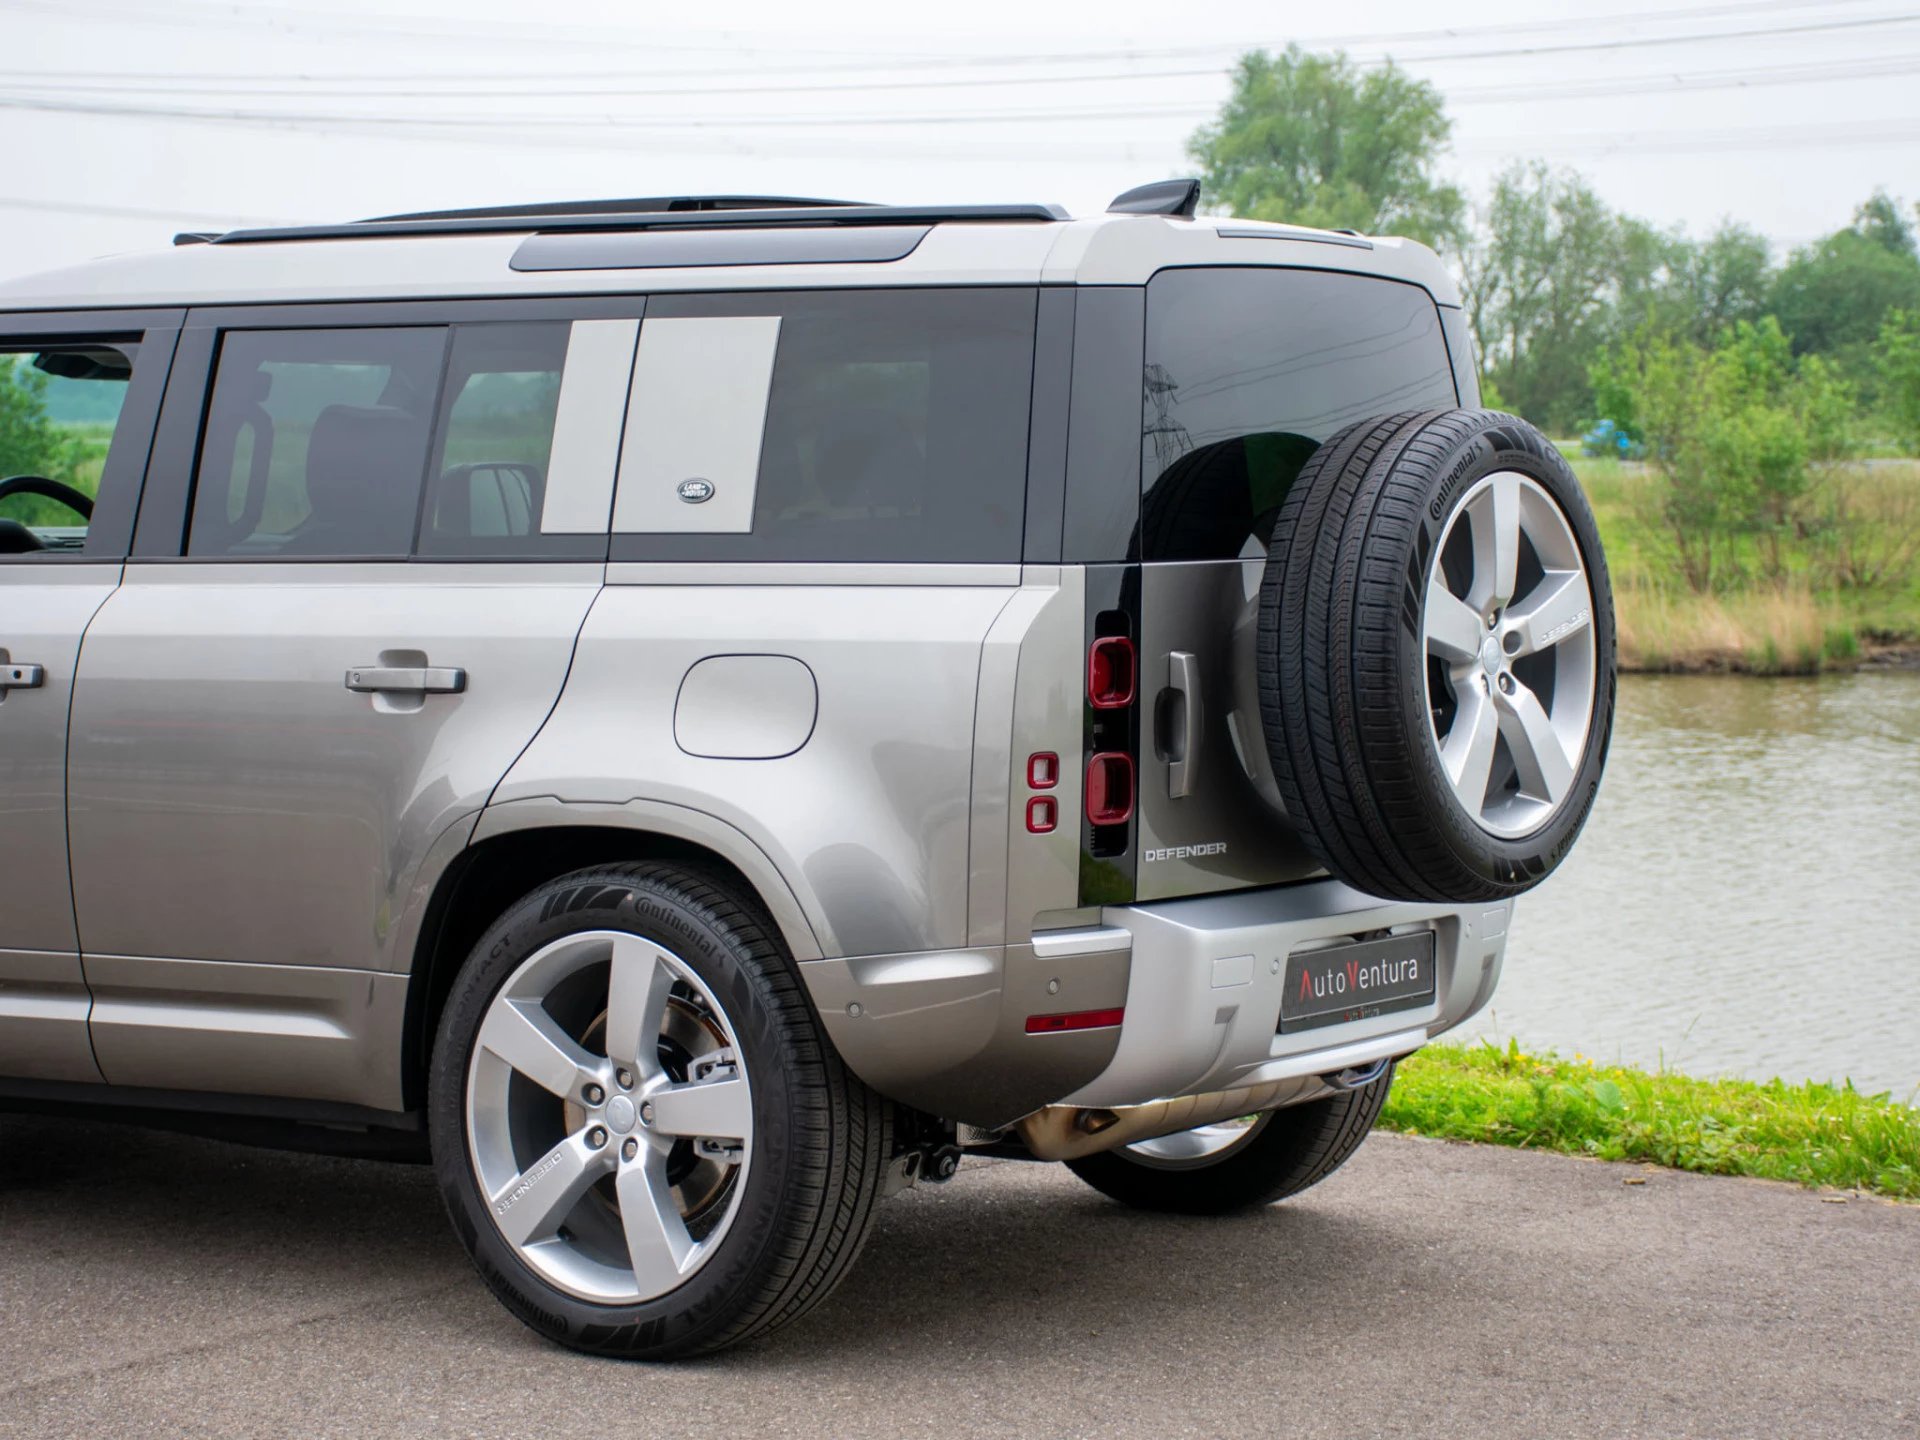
(155, 1284)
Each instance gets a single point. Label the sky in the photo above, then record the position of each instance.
(126, 120)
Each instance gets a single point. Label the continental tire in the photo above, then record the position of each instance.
(1436, 656)
(644, 1142)
(1218, 1169)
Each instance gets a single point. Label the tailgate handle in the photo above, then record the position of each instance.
(410, 679)
(1178, 721)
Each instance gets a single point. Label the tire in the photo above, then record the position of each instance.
(1429, 746)
(1285, 1152)
(769, 1222)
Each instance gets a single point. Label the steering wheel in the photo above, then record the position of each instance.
(56, 490)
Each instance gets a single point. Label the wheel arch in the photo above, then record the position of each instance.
(522, 844)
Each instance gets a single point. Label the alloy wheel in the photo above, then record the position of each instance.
(609, 1116)
(1507, 631)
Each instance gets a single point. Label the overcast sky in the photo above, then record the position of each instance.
(125, 120)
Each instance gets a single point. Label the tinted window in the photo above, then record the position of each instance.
(1247, 372)
(491, 458)
(895, 429)
(316, 442)
(58, 408)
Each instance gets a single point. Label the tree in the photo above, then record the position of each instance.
(31, 443)
(1314, 140)
(1546, 281)
(1832, 295)
(1719, 282)
(1897, 356)
(1738, 432)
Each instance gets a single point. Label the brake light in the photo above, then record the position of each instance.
(1110, 788)
(1076, 1020)
(1110, 673)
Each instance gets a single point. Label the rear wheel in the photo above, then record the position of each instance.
(1217, 1169)
(643, 1140)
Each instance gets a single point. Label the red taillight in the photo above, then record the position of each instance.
(1043, 771)
(1110, 787)
(1077, 1020)
(1043, 814)
(1110, 673)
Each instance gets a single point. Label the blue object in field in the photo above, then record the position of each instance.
(1607, 438)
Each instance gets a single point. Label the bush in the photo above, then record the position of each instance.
(1739, 432)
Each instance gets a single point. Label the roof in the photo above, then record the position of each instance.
(734, 243)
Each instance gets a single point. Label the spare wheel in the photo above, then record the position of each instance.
(1436, 656)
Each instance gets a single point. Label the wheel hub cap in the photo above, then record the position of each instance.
(620, 1115)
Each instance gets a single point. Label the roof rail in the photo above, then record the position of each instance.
(644, 205)
(619, 215)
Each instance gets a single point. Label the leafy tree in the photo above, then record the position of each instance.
(1739, 432)
(1832, 295)
(1719, 282)
(31, 443)
(1897, 357)
(1546, 281)
(1314, 140)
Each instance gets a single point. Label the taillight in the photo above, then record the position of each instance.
(1043, 771)
(1043, 814)
(1109, 788)
(1110, 673)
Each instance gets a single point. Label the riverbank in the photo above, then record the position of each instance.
(1808, 625)
(1811, 1134)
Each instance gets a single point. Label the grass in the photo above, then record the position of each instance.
(1808, 624)
(1811, 1134)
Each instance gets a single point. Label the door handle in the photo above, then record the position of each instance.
(409, 679)
(1180, 722)
(22, 677)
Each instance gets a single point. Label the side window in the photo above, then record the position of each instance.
(875, 425)
(59, 407)
(316, 442)
(1247, 372)
(494, 449)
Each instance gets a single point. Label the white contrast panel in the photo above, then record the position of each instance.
(586, 427)
(698, 410)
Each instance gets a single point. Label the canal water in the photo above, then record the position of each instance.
(1745, 899)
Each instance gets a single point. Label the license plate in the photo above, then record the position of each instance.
(1351, 982)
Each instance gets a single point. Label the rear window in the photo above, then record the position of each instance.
(1247, 372)
(876, 425)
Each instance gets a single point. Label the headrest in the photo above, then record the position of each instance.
(364, 464)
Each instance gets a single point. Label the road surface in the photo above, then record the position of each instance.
(154, 1283)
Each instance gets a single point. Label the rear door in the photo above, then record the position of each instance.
(78, 396)
(369, 542)
(1246, 372)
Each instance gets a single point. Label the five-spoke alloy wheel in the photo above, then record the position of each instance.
(645, 1142)
(1508, 628)
(613, 1175)
(1436, 658)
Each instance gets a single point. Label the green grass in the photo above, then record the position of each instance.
(1805, 625)
(1812, 1134)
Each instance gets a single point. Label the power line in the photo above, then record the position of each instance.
(972, 82)
(361, 25)
(1129, 54)
(1798, 72)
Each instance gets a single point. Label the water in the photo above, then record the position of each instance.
(1745, 899)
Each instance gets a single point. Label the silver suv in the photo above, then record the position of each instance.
(696, 714)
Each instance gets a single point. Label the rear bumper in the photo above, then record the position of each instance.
(1205, 982)
(1200, 982)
